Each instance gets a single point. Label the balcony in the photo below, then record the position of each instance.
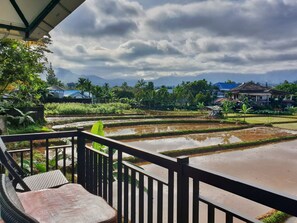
(138, 195)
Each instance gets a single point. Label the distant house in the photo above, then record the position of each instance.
(56, 91)
(256, 93)
(77, 94)
(224, 88)
(59, 95)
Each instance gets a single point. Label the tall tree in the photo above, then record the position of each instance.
(81, 84)
(20, 68)
(52, 79)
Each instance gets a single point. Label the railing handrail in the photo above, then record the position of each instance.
(268, 197)
(37, 136)
(159, 159)
(272, 198)
(185, 171)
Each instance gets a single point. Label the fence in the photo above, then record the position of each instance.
(138, 195)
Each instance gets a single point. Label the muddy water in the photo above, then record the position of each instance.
(90, 123)
(159, 144)
(271, 167)
(142, 129)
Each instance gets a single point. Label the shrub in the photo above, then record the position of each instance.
(83, 109)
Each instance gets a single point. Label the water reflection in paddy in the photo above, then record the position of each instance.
(90, 123)
(159, 144)
(271, 166)
(142, 129)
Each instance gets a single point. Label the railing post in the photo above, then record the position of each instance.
(182, 191)
(81, 157)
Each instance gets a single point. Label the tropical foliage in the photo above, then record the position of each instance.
(244, 110)
(228, 107)
(21, 119)
(82, 109)
(146, 95)
(20, 69)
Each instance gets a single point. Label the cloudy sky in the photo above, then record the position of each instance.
(153, 38)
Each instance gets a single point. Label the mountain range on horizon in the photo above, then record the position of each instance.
(270, 78)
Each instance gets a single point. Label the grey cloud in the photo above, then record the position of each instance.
(80, 49)
(254, 58)
(214, 45)
(136, 48)
(153, 3)
(262, 19)
(187, 36)
(120, 8)
(231, 59)
(284, 44)
(116, 28)
(89, 23)
(271, 58)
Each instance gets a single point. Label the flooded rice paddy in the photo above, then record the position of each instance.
(89, 123)
(155, 128)
(159, 144)
(271, 166)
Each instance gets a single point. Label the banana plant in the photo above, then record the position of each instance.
(244, 110)
(23, 118)
(97, 129)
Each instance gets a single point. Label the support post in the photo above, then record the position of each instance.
(182, 191)
(81, 157)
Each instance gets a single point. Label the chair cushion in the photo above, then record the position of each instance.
(69, 203)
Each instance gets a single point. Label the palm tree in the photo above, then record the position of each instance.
(88, 86)
(81, 84)
(97, 93)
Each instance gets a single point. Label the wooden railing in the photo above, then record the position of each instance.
(138, 195)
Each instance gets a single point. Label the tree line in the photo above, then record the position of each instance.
(21, 65)
(145, 95)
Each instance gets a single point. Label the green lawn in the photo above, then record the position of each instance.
(266, 120)
(34, 128)
(292, 126)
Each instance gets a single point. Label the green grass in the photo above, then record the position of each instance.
(266, 120)
(292, 126)
(85, 109)
(275, 217)
(29, 129)
(231, 115)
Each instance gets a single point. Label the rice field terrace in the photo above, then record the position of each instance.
(271, 166)
(185, 133)
(130, 121)
(266, 119)
(161, 144)
(159, 128)
(217, 144)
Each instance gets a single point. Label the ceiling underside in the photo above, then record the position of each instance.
(33, 19)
